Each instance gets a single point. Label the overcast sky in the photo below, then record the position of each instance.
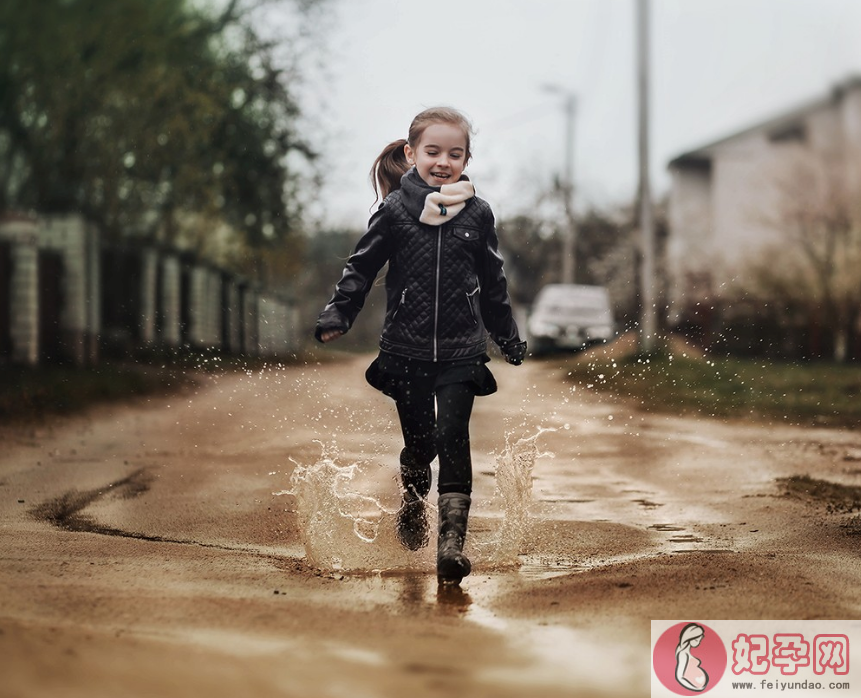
(717, 66)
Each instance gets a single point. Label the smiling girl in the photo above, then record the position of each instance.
(446, 291)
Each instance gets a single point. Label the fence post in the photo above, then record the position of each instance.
(22, 234)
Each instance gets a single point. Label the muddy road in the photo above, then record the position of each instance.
(150, 550)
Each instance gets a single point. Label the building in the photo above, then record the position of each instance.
(728, 199)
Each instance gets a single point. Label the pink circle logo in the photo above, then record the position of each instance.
(689, 659)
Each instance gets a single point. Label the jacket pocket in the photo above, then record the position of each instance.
(401, 303)
(472, 302)
(466, 233)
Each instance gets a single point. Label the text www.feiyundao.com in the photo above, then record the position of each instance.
(770, 685)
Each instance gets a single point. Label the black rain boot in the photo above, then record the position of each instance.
(412, 516)
(451, 564)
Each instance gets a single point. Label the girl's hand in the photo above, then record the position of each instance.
(514, 353)
(329, 335)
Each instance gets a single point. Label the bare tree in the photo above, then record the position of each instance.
(815, 263)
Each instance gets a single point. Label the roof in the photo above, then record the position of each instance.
(785, 121)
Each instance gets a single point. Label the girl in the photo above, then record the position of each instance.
(445, 290)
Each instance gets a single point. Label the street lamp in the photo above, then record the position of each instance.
(570, 239)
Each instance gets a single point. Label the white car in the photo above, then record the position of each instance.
(569, 316)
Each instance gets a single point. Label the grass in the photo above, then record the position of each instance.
(822, 394)
(838, 498)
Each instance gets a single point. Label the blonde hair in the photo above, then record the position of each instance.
(391, 164)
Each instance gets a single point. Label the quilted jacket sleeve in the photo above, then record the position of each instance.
(371, 253)
(495, 302)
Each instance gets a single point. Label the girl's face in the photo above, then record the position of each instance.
(440, 156)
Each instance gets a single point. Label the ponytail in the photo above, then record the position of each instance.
(388, 168)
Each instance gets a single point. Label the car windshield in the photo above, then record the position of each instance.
(569, 308)
(575, 308)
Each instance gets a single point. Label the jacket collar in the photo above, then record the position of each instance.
(422, 201)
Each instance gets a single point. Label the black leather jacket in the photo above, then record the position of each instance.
(445, 286)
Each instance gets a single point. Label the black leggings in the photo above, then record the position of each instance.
(444, 431)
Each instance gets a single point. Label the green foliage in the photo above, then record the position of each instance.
(791, 393)
(531, 251)
(326, 253)
(808, 280)
(148, 116)
(607, 254)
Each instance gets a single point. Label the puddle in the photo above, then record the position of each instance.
(547, 652)
(687, 538)
(665, 528)
(647, 504)
(536, 567)
(351, 533)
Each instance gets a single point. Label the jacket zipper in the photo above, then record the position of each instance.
(469, 298)
(401, 304)
(436, 295)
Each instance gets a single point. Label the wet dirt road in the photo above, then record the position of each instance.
(145, 550)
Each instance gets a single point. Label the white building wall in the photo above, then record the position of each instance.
(850, 122)
(688, 248)
(826, 132)
(723, 215)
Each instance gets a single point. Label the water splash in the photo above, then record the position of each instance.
(345, 531)
(341, 529)
(513, 472)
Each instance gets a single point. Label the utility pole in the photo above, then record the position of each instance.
(569, 239)
(648, 314)
(569, 253)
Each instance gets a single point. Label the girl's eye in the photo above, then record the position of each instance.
(455, 156)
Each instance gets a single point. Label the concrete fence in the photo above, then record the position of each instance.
(19, 238)
(66, 296)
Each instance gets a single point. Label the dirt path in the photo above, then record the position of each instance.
(143, 551)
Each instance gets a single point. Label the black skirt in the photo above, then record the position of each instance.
(389, 370)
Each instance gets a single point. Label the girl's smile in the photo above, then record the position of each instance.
(440, 156)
